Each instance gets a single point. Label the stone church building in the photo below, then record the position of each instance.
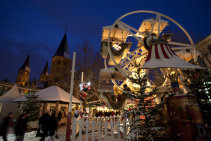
(59, 73)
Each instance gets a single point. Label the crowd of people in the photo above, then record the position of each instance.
(107, 113)
(48, 125)
(20, 126)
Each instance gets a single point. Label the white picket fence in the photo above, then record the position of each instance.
(99, 129)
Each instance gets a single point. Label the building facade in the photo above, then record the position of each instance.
(204, 47)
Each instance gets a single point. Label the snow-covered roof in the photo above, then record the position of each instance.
(11, 95)
(52, 93)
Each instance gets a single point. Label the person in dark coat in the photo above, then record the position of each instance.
(53, 126)
(21, 127)
(6, 123)
(59, 115)
(43, 126)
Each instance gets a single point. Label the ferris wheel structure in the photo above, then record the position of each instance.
(123, 44)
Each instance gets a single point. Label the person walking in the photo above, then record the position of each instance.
(59, 115)
(43, 126)
(21, 127)
(6, 123)
(53, 126)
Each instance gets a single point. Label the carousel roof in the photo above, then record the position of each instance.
(52, 94)
(160, 55)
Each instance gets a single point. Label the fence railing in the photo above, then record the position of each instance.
(100, 128)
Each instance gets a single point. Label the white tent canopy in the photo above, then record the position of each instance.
(52, 94)
(11, 95)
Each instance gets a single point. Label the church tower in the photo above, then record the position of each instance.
(60, 67)
(44, 76)
(23, 73)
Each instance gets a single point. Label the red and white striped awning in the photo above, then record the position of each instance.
(162, 56)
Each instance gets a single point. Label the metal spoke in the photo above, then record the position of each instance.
(153, 26)
(158, 24)
(180, 48)
(130, 27)
(180, 44)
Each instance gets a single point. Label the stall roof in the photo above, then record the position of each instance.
(52, 94)
(11, 95)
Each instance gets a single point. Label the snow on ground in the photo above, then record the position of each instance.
(31, 136)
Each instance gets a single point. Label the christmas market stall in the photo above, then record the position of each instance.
(53, 98)
(6, 101)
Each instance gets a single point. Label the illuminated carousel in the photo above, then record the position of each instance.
(149, 44)
(153, 47)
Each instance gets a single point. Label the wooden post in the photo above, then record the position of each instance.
(80, 128)
(93, 128)
(68, 129)
(99, 128)
(112, 129)
(44, 108)
(74, 128)
(82, 76)
(57, 108)
(87, 128)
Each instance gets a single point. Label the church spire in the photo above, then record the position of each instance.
(63, 48)
(23, 73)
(25, 65)
(44, 75)
(45, 70)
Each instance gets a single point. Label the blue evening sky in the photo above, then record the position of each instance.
(37, 26)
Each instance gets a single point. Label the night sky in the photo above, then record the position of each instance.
(36, 27)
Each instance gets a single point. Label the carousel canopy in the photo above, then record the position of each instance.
(52, 94)
(11, 95)
(160, 55)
